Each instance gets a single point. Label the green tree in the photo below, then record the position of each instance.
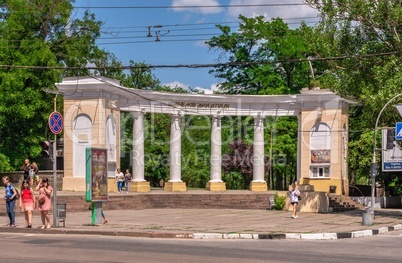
(366, 33)
(36, 35)
(284, 151)
(140, 76)
(240, 159)
(249, 52)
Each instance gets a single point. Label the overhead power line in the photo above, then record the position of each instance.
(206, 23)
(188, 6)
(212, 65)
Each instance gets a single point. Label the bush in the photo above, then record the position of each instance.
(233, 180)
(280, 202)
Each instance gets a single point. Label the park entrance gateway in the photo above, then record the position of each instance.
(92, 107)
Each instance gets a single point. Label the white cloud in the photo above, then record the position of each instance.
(201, 43)
(178, 84)
(215, 87)
(202, 10)
(202, 90)
(288, 11)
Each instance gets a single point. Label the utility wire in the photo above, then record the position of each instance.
(188, 6)
(210, 23)
(145, 30)
(211, 65)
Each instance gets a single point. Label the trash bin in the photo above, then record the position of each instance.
(61, 213)
(332, 189)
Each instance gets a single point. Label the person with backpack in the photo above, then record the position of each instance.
(27, 202)
(10, 196)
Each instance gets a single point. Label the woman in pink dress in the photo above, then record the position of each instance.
(44, 202)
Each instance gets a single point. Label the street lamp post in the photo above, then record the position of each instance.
(374, 165)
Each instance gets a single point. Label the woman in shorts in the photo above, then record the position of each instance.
(294, 199)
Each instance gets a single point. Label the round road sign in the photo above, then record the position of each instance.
(56, 122)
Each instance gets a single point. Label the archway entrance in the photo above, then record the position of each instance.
(322, 126)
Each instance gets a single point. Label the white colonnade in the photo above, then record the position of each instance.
(99, 97)
(215, 183)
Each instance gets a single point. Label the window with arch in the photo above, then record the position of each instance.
(111, 138)
(82, 138)
(320, 150)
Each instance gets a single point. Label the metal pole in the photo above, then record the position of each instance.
(54, 157)
(271, 180)
(54, 182)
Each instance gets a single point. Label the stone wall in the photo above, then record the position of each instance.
(17, 177)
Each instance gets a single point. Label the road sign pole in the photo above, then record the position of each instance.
(56, 126)
(54, 182)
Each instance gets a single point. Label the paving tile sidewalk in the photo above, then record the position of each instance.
(187, 222)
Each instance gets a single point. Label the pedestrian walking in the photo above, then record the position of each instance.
(104, 220)
(33, 171)
(26, 167)
(44, 202)
(127, 180)
(119, 180)
(27, 202)
(294, 199)
(10, 197)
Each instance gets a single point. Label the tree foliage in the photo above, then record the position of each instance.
(34, 35)
(368, 33)
(240, 159)
(251, 50)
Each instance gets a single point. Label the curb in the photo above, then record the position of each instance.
(313, 236)
(159, 234)
(122, 233)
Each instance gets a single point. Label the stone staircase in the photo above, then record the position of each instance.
(77, 203)
(341, 203)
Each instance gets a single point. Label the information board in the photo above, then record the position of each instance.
(96, 175)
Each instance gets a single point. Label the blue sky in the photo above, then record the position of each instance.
(181, 32)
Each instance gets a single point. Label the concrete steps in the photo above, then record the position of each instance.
(341, 203)
(77, 203)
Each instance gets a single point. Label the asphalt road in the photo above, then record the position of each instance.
(80, 248)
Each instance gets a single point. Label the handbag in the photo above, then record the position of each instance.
(41, 199)
(299, 197)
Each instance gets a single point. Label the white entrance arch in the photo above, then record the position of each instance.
(311, 106)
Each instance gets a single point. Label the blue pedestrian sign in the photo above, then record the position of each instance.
(56, 122)
(398, 132)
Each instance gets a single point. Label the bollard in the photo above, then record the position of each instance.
(368, 219)
(61, 213)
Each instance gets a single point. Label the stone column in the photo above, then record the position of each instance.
(258, 183)
(175, 183)
(139, 184)
(216, 183)
(299, 148)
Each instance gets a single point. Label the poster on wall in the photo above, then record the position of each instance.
(96, 175)
(391, 153)
(320, 156)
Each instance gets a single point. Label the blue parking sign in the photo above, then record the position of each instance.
(398, 133)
